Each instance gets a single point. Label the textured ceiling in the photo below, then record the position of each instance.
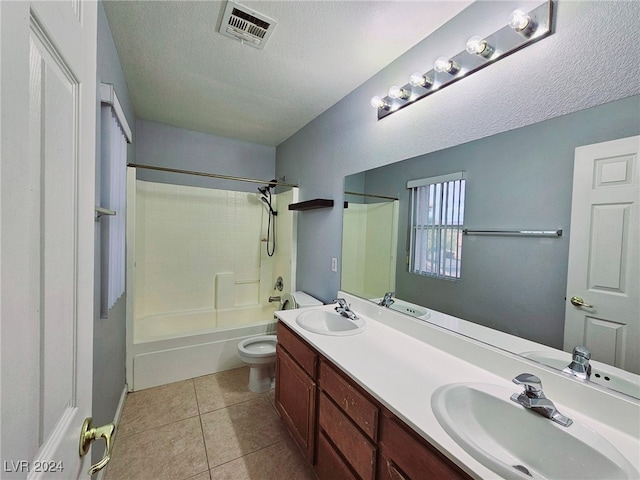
(181, 71)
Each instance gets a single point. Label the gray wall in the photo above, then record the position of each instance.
(519, 179)
(591, 59)
(165, 146)
(109, 339)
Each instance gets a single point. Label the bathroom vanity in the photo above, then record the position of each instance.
(340, 427)
(360, 405)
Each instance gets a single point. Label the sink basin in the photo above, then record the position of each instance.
(517, 443)
(329, 323)
(407, 308)
(600, 374)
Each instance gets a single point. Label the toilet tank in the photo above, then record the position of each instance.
(299, 299)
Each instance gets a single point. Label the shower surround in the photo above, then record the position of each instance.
(201, 277)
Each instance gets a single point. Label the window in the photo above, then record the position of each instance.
(437, 217)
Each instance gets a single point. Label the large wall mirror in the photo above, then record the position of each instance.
(518, 180)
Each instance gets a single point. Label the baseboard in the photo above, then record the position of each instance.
(116, 420)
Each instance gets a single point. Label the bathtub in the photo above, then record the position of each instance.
(180, 345)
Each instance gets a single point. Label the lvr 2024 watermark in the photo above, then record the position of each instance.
(24, 466)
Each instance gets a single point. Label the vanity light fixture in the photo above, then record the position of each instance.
(479, 46)
(398, 92)
(522, 29)
(419, 80)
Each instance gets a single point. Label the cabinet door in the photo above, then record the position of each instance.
(405, 457)
(296, 401)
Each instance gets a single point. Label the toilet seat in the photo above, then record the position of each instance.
(258, 350)
(258, 347)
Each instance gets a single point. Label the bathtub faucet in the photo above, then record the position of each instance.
(275, 299)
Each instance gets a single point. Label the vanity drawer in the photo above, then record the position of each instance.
(329, 465)
(298, 349)
(352, 444)
(404, 456)
(353, 403)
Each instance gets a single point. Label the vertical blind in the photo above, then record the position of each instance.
(113, 177)
(437, 218)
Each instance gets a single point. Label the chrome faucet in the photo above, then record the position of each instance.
(387, 301)
(533, 398)
(344, 310)
(579, 365)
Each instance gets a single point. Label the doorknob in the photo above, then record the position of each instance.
(579, 302)
(88, 434)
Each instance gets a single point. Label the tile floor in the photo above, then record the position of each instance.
(207, 428)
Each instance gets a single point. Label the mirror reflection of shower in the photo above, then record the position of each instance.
(271, 221)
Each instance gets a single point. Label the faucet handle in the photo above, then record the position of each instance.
(532, 384)
(341, 302)
(579, 366)
(582, 351)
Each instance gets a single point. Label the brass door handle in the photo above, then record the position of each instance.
(88, 434)
(579, 302)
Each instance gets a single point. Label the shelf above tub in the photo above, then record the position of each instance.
(312, 204)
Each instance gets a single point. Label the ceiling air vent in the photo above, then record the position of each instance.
(244, 24)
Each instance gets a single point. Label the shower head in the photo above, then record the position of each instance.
(263, 190)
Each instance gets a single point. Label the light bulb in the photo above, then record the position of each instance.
(380, 103)
(444, 64)
(478, 46)
(522, 23)
(397, 92)
(418, 80)
(518, 20)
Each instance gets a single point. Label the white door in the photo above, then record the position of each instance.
(604, 259)
(47, 153)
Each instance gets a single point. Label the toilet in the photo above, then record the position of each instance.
(260, 352)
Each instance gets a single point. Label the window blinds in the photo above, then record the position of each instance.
(113, 195)
(437, 217)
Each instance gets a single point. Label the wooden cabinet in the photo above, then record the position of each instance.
(348, 440)
(347, 422)
(296, 388)
(403, 455)
(355, 403)
(344, 432)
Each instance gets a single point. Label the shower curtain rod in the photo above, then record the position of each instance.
(210, 175)
(370, 195)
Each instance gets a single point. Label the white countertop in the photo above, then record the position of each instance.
(402, 372)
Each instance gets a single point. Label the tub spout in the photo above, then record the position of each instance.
(274, 299)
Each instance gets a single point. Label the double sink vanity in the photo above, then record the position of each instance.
(368, 392)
